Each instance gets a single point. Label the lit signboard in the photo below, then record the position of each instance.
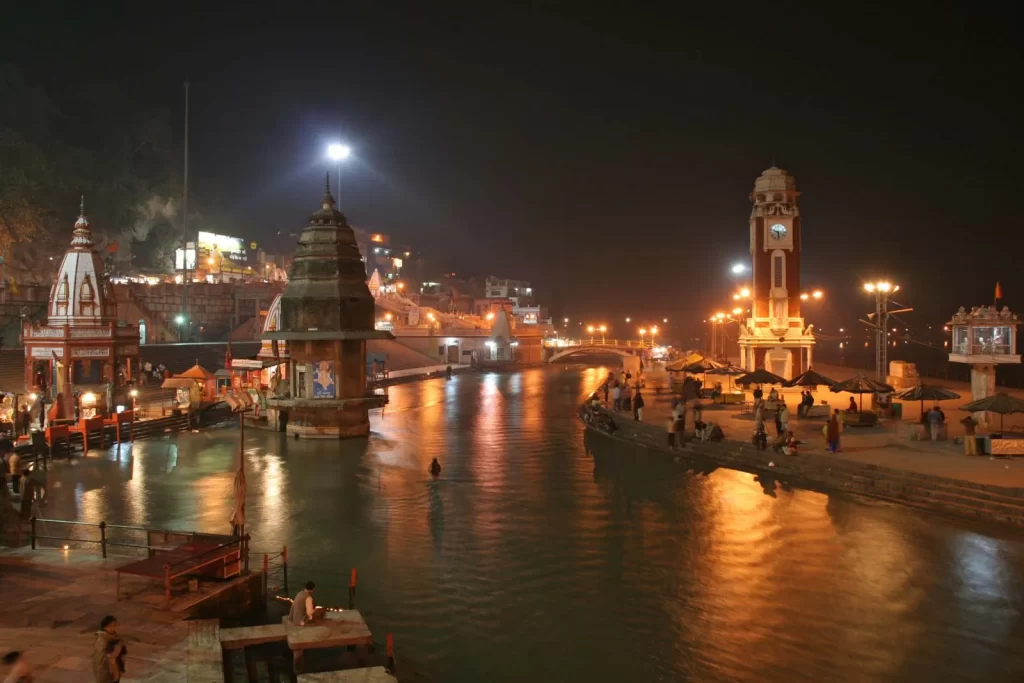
(223, 244)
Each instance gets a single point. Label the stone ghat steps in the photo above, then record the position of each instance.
(827, 472)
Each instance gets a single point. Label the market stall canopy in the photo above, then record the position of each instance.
(927, 392)
(1001, 404)
(178, 382)
(861, 385)
(198, 372)
(760, 376)
(702, 365)
(811, 379)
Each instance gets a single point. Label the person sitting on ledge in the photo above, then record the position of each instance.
(852, 408)
(304, 611)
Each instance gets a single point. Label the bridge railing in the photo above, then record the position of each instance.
(598, 341)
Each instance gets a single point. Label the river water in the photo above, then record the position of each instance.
(543, 554)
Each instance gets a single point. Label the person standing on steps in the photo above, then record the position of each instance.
(638, 406)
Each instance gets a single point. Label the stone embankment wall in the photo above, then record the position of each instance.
(827, 473)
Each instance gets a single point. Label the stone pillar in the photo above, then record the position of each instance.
(983, 384)
(810, 358)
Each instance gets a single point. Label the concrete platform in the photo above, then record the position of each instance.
(375, 674)
(338, 629)
(244, 636)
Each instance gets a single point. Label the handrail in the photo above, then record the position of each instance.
(103, 541)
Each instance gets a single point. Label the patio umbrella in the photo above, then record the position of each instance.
(701, 366)
(811, 379)
(861, 385)
(926, 392)
(1001, 404)
(761, 376)
(730, 370)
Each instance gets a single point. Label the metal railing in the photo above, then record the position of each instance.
(600, 341)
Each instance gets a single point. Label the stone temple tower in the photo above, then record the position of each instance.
(773, 336)
(326, 316)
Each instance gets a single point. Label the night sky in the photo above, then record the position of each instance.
(607, 155)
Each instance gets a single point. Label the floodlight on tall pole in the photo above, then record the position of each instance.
(642, 331)
(603, 329)
(337, 153)
(738, 268)
(880, 323)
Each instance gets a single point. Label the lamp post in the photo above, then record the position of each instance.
(654, 331)
(643, 331)
(337, 153)
(603, 329)
(881, 289)
(590, 329)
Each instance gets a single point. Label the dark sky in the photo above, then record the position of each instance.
(607, 155)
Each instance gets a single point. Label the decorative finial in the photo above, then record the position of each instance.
(81, 235)
(328, 199)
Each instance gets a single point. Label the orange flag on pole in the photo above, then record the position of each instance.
(999, 292)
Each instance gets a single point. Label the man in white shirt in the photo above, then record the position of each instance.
(304, 611)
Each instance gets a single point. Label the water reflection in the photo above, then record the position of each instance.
(548, 553)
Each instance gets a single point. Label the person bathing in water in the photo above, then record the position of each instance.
(435, 468)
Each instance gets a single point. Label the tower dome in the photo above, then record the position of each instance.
(81, 294)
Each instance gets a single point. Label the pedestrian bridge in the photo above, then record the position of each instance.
(622, 347)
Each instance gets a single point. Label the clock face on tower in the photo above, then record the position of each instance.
(778, 231)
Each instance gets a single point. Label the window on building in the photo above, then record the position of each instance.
(300, 381)
(778, 270)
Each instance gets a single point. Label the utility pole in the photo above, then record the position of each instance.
(185, 277)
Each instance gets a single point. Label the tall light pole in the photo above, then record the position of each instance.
(882, 289)
(643, 331)
(603, 329)
(654, 331)
(590, 329)
(337, 153)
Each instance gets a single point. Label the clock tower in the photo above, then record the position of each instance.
(773, 336)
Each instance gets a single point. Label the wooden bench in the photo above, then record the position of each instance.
(818, 410)
(860, 419)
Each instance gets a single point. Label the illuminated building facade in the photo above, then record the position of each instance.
(773, 335)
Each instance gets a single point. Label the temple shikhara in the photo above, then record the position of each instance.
(773, 336)
(81, 350)
(317, 331)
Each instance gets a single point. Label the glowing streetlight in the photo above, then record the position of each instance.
(490, 316)
(642, 331)
(738, 268)
(337, 153)
(664, 320)
(735, 297)
(720, 316)
(805, 296)
(817, 294)
(745, 293)
(737, 311)
(627, 320)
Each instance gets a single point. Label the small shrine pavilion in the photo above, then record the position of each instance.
(81, 350)
(984, 338)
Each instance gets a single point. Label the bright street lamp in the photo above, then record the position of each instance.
(745, 293)
(627, 320)
(737, 311)
(337, 153)
(738, 268)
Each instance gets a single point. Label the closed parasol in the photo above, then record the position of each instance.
(926, 392)
(1001, 404)
(861, 385)
(811, 379)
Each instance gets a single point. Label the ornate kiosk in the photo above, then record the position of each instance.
(983, 338)
(82, 359)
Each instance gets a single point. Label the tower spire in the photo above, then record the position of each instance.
(82, 237)
(328, 199)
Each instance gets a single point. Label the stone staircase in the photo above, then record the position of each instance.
(827, 473)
